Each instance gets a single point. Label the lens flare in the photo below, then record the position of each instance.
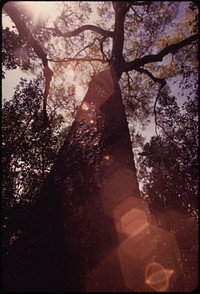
(107, 160)
(134, 222)
(85, 106)
(157, 277)
(40, 8)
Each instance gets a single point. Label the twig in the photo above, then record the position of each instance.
(155, 115)
(89, 45)
(136, 13)
(156, 80)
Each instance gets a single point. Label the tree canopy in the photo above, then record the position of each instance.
(172, 158)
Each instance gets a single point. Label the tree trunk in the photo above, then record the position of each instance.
(71, 241)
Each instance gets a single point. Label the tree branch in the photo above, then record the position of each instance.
(155, 116)
(136, 13)
(156, 80)
(48, 76)
(139, 3)
(137, 63)
(24, 32)
(81, 29)
(78, 59)
(117, 58)
(12, 11)
(101, 41)
(87, 46)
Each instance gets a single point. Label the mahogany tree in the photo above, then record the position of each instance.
(83, 232)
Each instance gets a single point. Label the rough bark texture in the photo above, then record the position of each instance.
(71, 241)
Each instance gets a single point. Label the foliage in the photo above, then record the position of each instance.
(28, 150)
(148, 28)
(14, 51)
(169, 161)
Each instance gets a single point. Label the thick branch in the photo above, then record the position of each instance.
(117, 59)
(81, 29)
(118, 39)
(24, 32)
(137, 63)
(48, 76)
(78, 59)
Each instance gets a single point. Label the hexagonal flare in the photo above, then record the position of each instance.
(132, 218)
(127, 205)
(134, 223)
(117, 189)
(133, 257)
(138, 251)
(157, 277)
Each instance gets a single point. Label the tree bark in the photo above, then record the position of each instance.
(70, 243)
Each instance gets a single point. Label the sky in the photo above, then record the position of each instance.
(12, 77)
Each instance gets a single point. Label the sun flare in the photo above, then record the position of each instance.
(40, 8)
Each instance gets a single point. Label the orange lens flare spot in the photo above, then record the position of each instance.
(85, 106)
(127, 205)
(134, 222)
(157, 277)
(107, 160)
(107, 157)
